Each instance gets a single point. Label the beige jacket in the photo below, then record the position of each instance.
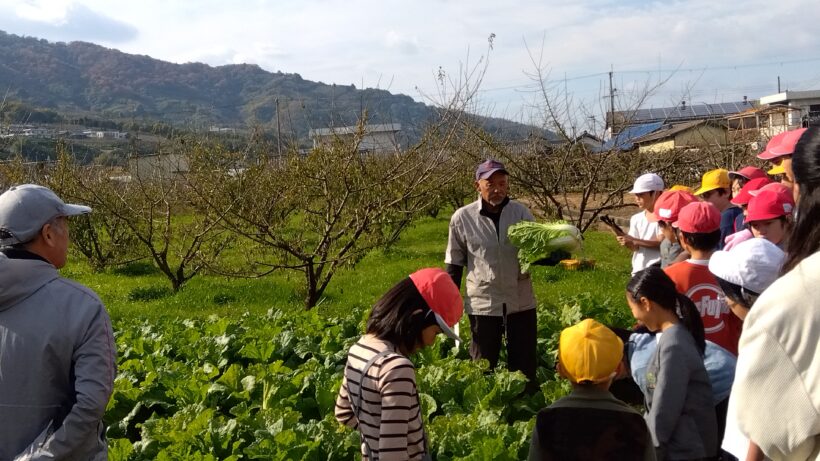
(494, 276)
(777, 381)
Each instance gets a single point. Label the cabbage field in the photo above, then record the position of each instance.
(261, 384)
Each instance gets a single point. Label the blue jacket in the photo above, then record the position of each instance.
(720, 364)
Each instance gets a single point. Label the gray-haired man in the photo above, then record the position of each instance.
(500, 301)
(57, 354)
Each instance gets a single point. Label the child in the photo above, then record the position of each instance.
(680, 411)
(769, 215)
(716, 189)
(779, 152)
(666, 212)
(743, 273)
(642, 237)
(742, 198)
(777, 386)
(378, 393)
(590, 423)
(742, 176)
(698, 228)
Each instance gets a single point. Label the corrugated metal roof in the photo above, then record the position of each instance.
(625, 139)
(343, 130)
(671, 130)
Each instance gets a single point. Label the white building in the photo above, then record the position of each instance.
(804, 105)
(158, 166)
(376, 138)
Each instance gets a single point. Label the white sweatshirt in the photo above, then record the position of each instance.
(777, 381)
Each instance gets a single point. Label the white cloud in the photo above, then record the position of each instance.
(380, 42)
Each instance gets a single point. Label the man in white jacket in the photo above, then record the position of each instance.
(57, 354)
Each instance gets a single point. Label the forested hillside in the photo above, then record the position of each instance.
(81, 79)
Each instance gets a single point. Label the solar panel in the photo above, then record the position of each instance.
(678, 113)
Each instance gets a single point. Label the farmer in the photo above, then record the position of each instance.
(378, 394)
(500, 300)
(57, 350)
(642, 237)
(776, 385)
(590, 423)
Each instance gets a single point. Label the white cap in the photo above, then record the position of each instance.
(753, 264)
(647, 183)
(25, 209)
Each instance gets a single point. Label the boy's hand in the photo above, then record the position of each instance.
(627, 241)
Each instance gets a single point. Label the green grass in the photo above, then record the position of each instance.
(140, 291)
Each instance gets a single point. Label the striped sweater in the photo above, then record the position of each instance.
(390, 417)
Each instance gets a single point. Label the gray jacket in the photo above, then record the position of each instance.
(681, 413)
(57, 365)
(494, 277)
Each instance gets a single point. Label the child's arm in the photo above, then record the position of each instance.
(635, 243)
(669, 396)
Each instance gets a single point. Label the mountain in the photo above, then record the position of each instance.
(81, 79)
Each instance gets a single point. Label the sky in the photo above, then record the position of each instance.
(660, 53)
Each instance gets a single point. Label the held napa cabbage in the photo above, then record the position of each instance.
(537, 241)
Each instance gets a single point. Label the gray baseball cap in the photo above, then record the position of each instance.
(25, 209)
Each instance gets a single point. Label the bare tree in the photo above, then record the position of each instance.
(152, 204)
(318, 212)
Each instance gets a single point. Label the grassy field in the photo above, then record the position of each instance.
(140, 291)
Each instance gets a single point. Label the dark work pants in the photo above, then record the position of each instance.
(521, 335)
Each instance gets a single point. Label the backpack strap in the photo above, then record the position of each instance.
(357, 407)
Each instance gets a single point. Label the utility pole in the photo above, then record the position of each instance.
(778, 84)
(278, 130)
(611, 103)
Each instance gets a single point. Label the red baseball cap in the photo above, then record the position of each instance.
(698, 218)
(442, 297)
(669, 204)
(748, 172)
(769, 204)
(777, 187)
(781, 144)
(745, 193)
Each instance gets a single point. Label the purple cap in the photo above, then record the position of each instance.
(486, 169)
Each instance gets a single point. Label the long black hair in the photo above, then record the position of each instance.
(746, 298)
(653, 284)
(805, 235)
(395, 317)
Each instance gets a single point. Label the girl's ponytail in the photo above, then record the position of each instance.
(690, 317)
(654, 284)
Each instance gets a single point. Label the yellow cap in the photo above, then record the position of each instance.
(714, 179)
(777, 169)
(682, 188)
(589, 352)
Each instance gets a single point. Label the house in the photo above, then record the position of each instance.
(695, 134)
(805, 106)
(624, 140)
(761, 123)
(681, 113)
(591, 142)
(375, 138)
(158, 166)
(105, 134)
